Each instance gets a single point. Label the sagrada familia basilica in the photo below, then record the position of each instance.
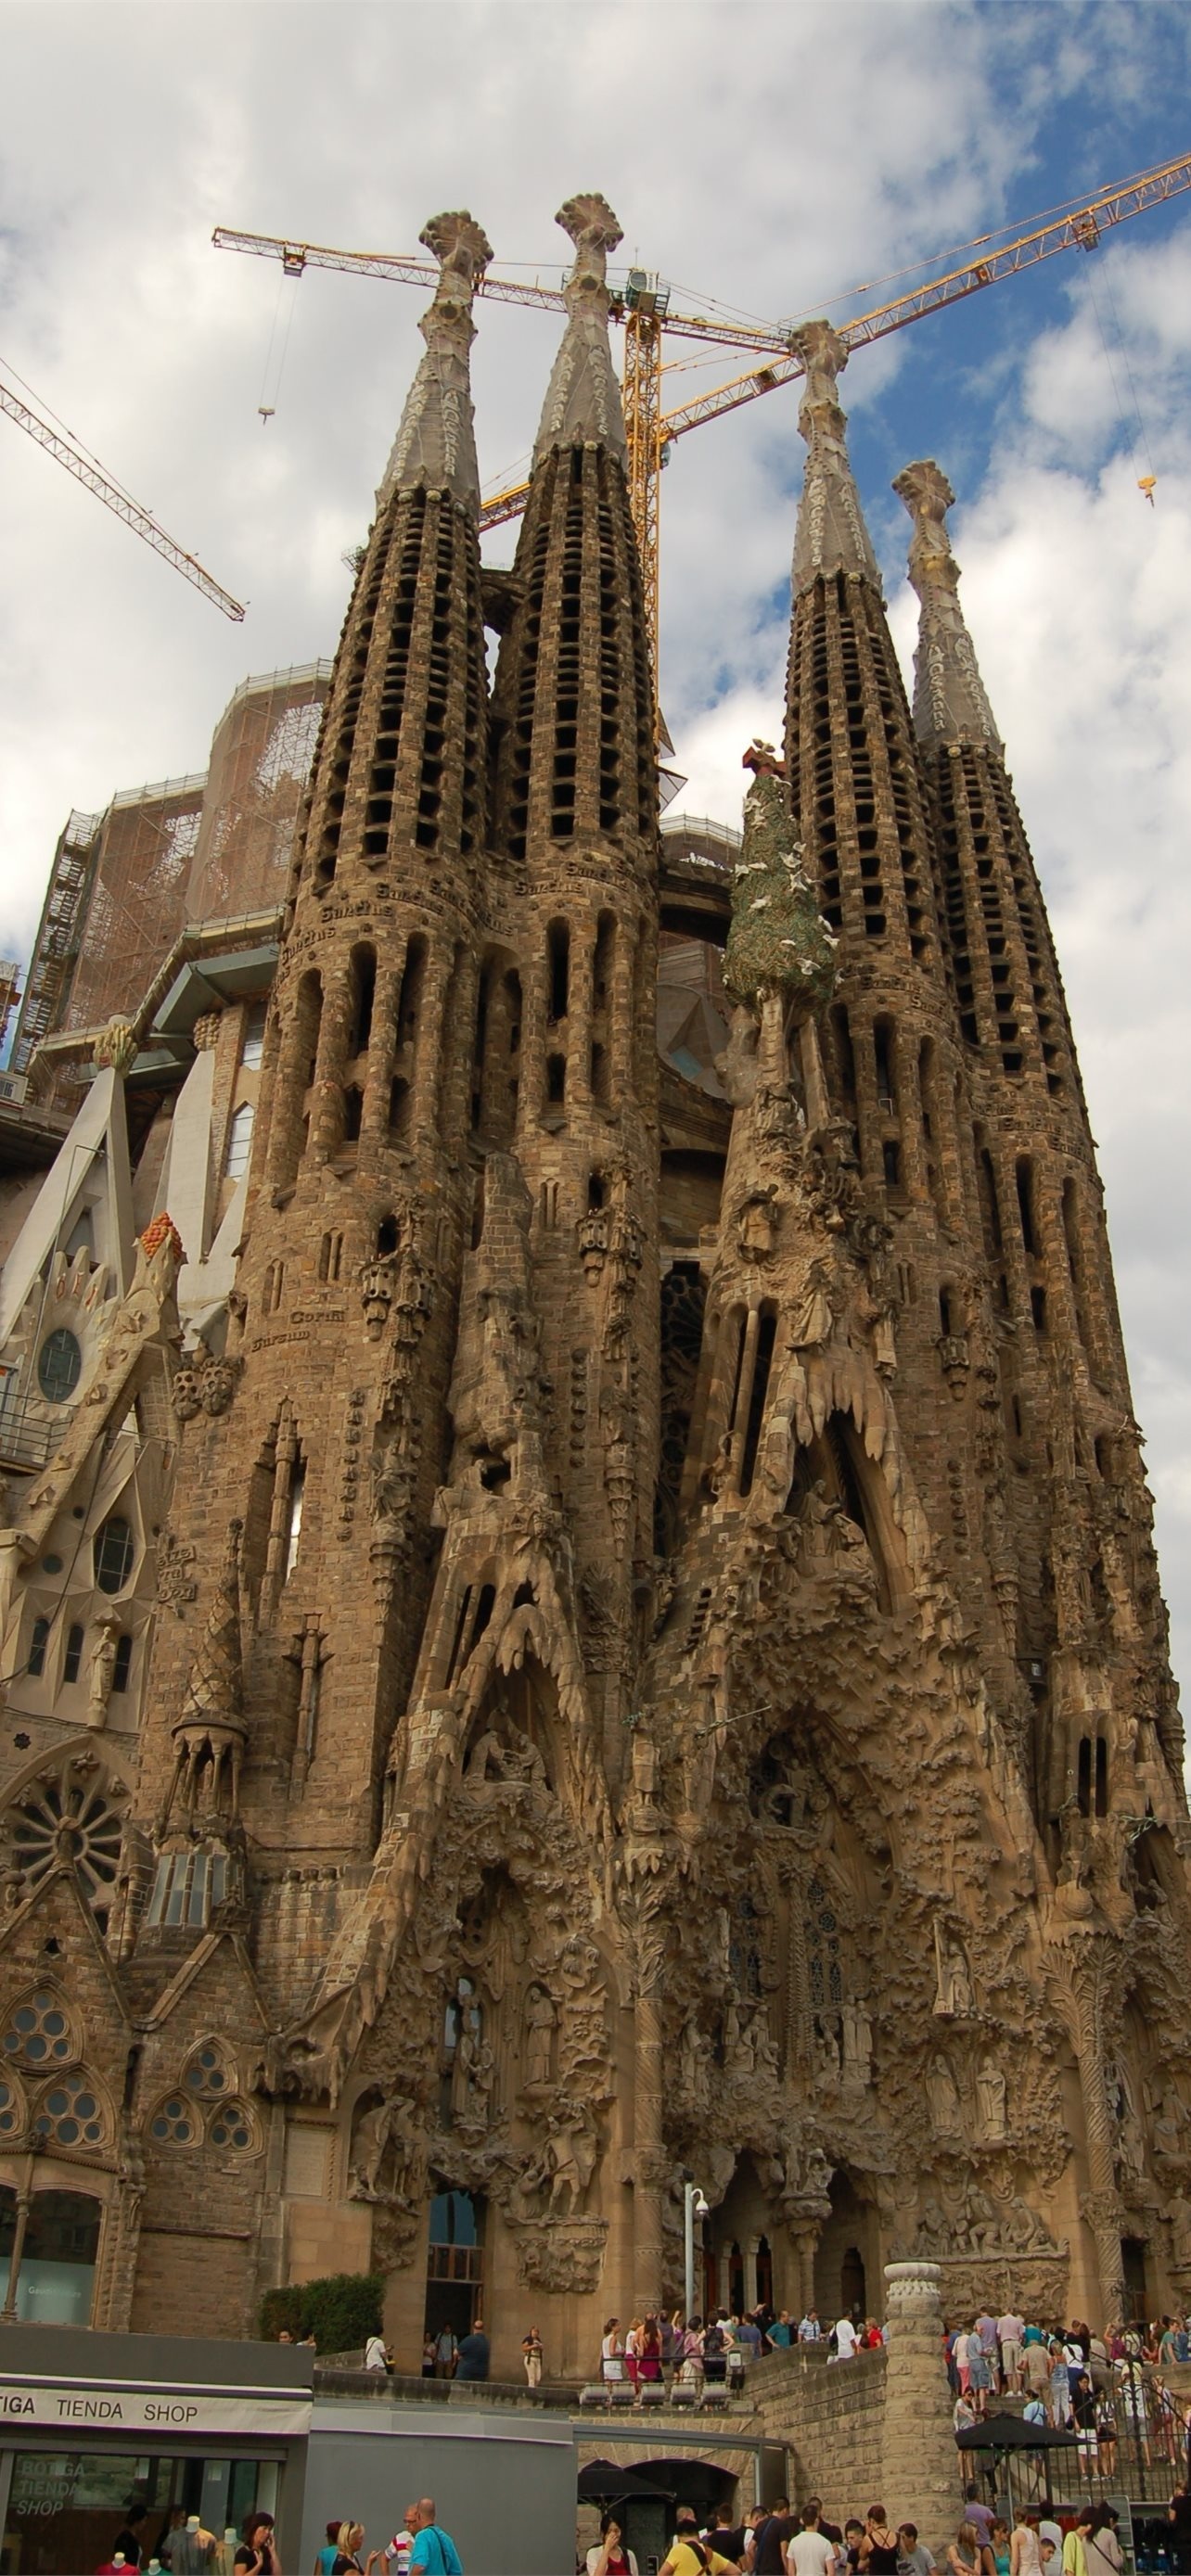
(576, 1589)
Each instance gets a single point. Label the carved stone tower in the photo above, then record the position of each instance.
(658, 1660)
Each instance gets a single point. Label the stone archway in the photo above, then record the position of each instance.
(847, 2266)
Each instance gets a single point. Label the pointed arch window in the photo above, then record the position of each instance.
(114, 1554)
(239, 1142)
(173, 2124)
(70, 2114)
(39, 2033)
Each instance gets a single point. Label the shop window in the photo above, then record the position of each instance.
(59, 1366)
(39, 2032)
(239, 1142)
(69, 2115)
(55, 2276)
(74, 1653)
(174, 2124)
(37, 1646)
(114, 1554)
(207, 2073)
(232, 2126)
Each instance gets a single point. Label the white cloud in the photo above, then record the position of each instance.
(768, 155)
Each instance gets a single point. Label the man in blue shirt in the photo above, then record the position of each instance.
(434, 2552)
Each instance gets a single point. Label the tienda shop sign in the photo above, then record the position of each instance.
(150, 2409)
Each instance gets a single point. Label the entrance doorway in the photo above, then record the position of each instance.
(455, 2263)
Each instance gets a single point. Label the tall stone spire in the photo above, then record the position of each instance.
(950, 704)
(573, 702)
(582, 403)
(831, 535)
(435, 446)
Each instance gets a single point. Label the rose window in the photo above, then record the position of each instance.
(68, 1817)
(173, 2125)
(69, 2115)
(39, 2032)
(232, 2127)
(207, 2074)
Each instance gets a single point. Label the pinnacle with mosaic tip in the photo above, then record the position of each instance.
(950, 704)
(435, 448)
(582, 406)
(831, 535)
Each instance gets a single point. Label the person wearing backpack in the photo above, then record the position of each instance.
(434, 2552)
(687, 2554)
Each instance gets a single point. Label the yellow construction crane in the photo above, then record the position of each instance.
(60, 444)
(643, 304)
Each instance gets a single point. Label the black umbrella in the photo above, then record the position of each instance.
(1012, 2433)
(602, 2482)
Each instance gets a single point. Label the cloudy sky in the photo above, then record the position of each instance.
(780, 159)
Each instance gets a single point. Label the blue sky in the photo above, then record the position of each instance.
(764, 155)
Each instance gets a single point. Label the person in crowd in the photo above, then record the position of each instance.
(434, 2552)
(986, 2327)
(1035, 2363)
(750, 2339)
(691, 2366)
(129, 2541)
(830, 2530)
(1102, 2549)
(1049, 2530)
(632, 2348)
(1075, 2560)
(913, 2556)
(257, 2552)
(782, 2331)
(980, 2367)
(999, 2551)
(328, 2550)
(611, 2555)
(531, 2354)
(715, 2353)
(809, 2330)
(1023, 2548)
(285, 2336)
(446, 2353)
(1010, 2340)
(845, 2339)
(687, 2556)
(963, 2413)
(772, 2538)
(649, 2355)
(612, 2351)
(963, 2556)
(976, 2512)
(428, 2356)
(878, 2549)
(1034, 2411)
(1180, 2519)
(726, 2536)
(375, 2356)
(475, 2353)
(810, 2553)
(393, 2559)
(666, 2329)
(347, 2560)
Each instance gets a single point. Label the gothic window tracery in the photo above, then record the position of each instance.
(232, 2125)
(173, 2124)
(69, 2114)
(206, 2073)
(39, 2032)
(73, 1812)
(12, 2114)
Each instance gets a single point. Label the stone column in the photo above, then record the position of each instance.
(920, 2471)
(750, 2271)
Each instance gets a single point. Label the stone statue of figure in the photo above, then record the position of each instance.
(857, 2033)
(572, 2153)
(991, 2101)
(101, 1670)
(943, 2097)
(955, 1996)
(540, 2019)
(369, 2149)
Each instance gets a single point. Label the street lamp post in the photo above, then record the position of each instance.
(694, 2206)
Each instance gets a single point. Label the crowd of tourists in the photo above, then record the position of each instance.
(773, 2541)
(695, 2350)
(1104, 2387)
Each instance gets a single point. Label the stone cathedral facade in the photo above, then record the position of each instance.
(645, 1635)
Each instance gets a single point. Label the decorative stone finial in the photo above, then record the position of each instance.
(115, 1046)
(435, 446)
(582, 405)
(210, 1734)
(831, 535)
(949, 698)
